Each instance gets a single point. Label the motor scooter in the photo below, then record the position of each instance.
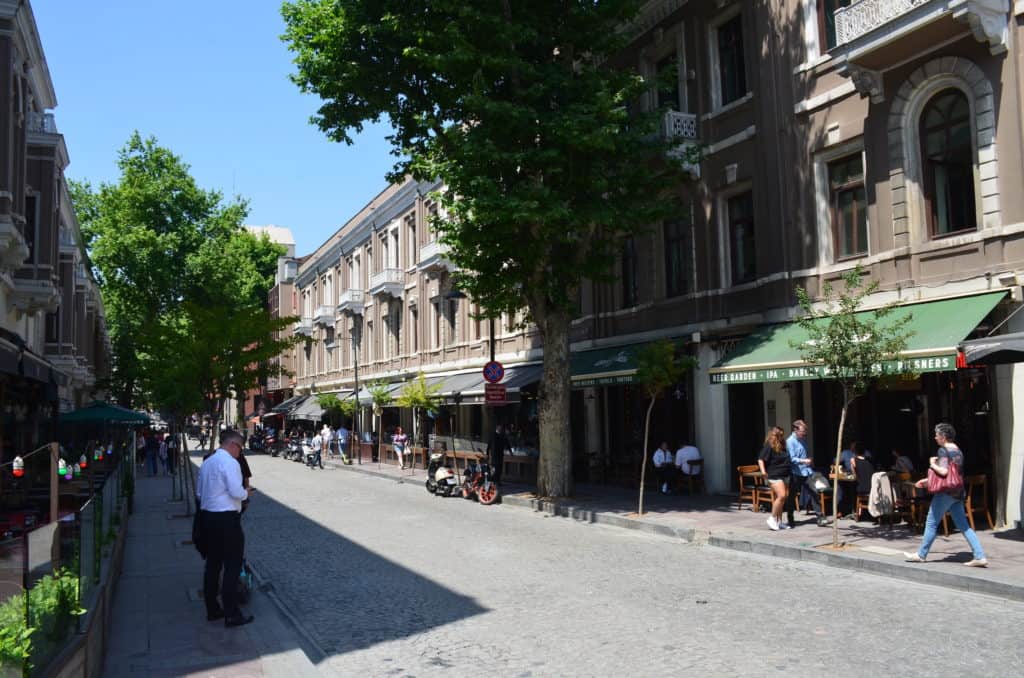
(478, 483)
(441, 480)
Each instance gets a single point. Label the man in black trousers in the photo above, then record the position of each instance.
(221, 493)
(496, 448)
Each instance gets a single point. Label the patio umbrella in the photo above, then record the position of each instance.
(100, 412)
(995, 350)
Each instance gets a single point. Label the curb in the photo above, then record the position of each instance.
(265, 587)
(860, 562)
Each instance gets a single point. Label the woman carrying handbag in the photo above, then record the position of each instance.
(945, 483)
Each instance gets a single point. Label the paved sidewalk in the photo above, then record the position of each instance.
(159, 621)
(715, 520)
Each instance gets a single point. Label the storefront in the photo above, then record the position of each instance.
(767, 383)
(608, 411)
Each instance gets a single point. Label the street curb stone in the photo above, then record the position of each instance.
(904, 571)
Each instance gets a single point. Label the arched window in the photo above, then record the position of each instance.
(947, 163)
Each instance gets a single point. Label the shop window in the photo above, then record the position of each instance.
(827, 21)
(947, 162)
(740, 224)
(628, 273)
(678, 247)
(848, 206)
(730, 70)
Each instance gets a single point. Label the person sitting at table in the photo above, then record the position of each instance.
(847, 456)
(664, 465)
(686, 454)
(902, 462)
(863, 469)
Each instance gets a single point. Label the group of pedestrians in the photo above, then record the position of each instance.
(669, 465)
(787, 466)
(156, 452)
(330, 442)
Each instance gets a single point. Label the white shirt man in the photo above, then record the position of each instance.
(317, 442)
(219, 487)
(664, 462)
(686, 454)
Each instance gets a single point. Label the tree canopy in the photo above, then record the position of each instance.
(184, 285)
(518, 110)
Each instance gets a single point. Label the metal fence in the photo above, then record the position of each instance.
(48, 576)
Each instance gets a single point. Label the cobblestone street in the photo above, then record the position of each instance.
(388, 580)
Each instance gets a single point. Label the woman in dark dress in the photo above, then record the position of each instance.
(775, 465)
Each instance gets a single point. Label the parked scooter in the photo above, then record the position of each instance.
(440, 476)
(478, 483)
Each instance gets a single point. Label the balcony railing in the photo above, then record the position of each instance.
(433, 257)
(860, 18)
(676, 125)
(42, 122)
(388, 281)
(324, 315)
(351, 301)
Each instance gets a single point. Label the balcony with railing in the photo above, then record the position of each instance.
(41, 123)
(681, 127)
(324, 315)
(303, 327)
(433, 258)
(389, 281)
(874, 35)
(351, 301)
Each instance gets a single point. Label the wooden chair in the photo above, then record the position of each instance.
(980, 505)
(696, 478)
(748, 481)
(763, 494)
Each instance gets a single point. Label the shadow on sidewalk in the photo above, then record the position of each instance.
(159, 622)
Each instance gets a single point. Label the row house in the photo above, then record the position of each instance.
(883, 133)
(376, 303)
(53, 339)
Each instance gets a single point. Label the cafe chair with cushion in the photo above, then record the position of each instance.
(763, 495)
(977, 498)
(749, 479)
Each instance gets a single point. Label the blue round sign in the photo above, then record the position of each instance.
(494, 372)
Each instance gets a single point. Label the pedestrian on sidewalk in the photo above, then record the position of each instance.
(220, 493)
(776, 465)
(399, 442)
(162, 453)
(496, 448)
(317, 443)
(664, 467)
(152, 454)
(343, 437)
(801, 468)
(949, 458)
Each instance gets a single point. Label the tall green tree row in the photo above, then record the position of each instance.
(523, 112)
(184, 285)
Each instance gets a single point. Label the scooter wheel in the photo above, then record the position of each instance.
(430, 489)
(487, 494)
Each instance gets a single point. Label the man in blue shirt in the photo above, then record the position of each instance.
(802, 467)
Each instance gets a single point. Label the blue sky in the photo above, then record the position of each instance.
(209, 80)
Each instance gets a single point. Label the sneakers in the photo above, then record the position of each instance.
(913, 558)
(978, 562)
(773, 524)
(785, 526)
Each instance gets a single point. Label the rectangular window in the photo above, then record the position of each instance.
(414, 246)
(668, 83)
(414, 330)
(452, 310)
(678, 239)
(31, 203)
(628, 273)
(435, 335)
(827, 21)
(53, 327)
(848, 206)
(732, 70)
(742, 255)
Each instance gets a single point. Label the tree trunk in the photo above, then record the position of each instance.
(835, 483)
(643, 464)
(554, 470)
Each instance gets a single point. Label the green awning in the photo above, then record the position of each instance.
(938, 326)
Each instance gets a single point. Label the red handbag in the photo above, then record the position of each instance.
(951, 483)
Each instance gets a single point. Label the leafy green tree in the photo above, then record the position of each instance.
(850, 347)
(331, 404)
(659, 367)
(523, 111)
(184, 285)
(418, 396)
(380, 397)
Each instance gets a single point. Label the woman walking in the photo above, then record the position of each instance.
(775, 465)
(948, 459)
(398, 442)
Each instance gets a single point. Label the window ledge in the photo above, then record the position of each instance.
(813, 64)
(732, 105)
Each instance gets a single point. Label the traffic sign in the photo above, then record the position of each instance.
(494, 372)
(494, 394)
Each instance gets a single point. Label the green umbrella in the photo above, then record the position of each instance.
(104, 413)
